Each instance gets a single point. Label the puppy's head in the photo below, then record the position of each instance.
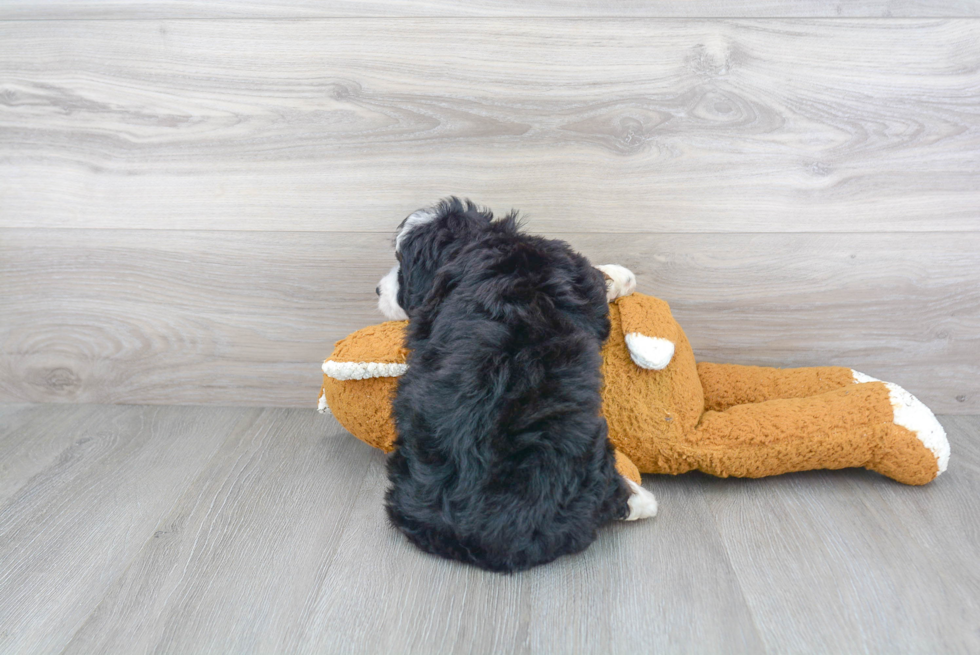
(425, 241)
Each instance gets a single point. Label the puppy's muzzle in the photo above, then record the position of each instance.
(387, 291)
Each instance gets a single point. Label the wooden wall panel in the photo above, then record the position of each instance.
(589, 125)
(123, 9)
(136, 316)
(192, 211)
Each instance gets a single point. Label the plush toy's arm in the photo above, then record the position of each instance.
(650, 330)
(371, 352)
(359, 379)
(626, 467)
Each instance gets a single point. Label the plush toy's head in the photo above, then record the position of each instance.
(651, 387)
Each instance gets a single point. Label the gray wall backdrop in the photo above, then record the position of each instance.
(197, 199)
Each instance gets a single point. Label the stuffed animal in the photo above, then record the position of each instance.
(668, 414)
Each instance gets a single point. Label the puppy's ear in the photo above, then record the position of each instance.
(445, 281)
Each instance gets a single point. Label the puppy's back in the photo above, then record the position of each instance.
(502, 459)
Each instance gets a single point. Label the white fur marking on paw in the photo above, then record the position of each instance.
(361, 370)
(649, 352)
(388, 296)
(860, 378)
(621, 281)
(642, 503)
(321, 405)
(913, 415)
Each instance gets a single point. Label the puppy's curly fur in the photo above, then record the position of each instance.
(502, 460)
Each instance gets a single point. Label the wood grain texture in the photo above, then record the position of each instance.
(589, 125)
(902, 561)
(611, 598)
(245, 318)
(124, 9)
(239, 560)
(270, 536)
(27, 452)
(73, 528)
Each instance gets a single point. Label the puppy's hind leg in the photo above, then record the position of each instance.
(642, 503)
(620, 281)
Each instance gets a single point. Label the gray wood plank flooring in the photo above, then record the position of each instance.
(32, 438)
(177, 529)
(69, 532)
(902, 557)
(248, 545)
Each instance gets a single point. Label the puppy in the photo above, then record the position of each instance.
(502, 459)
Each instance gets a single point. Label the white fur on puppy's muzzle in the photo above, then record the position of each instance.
(388, 297)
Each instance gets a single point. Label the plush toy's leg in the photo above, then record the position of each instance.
(626, 467)
(727, 385)
(874, 425)
(642, 503)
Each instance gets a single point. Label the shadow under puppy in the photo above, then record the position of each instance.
(502, 459)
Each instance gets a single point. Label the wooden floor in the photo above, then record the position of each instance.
(191, 529)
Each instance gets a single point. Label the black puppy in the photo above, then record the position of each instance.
(501, 459)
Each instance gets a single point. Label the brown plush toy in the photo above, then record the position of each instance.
(668, 414)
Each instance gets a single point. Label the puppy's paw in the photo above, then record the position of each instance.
(642, 503)
(620, 281)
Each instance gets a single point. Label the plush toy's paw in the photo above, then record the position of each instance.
(649, 352)
(912, 414)
(642, 503)
(620, 281)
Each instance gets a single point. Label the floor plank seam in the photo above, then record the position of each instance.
(731, 567)
(344, 528)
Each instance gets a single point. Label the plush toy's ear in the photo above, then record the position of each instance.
(372, 352)
(650, 330)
